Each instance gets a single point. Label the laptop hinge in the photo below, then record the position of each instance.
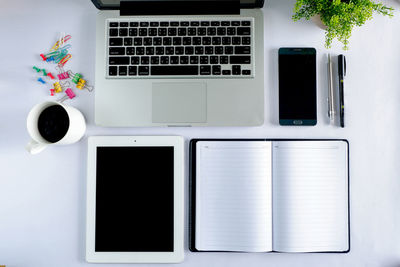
(173, 7)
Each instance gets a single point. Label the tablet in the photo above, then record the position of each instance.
(135, 199)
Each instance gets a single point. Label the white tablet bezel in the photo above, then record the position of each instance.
(135, 257)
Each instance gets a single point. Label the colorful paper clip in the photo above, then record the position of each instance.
(80, 83)
(69, 94)
(58, 86)
(60, 42)
(64, 60)
(41, 80)
(62, 74)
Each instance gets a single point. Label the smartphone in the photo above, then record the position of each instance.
(297, 86)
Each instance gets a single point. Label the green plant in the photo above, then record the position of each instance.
(339, 16)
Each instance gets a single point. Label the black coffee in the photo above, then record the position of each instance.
(53, 123)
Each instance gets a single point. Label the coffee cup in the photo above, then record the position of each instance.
(53, 123)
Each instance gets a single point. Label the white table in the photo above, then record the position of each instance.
(42, 197)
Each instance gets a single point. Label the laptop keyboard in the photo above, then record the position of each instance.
(180, 48)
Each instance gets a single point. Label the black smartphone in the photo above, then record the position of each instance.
(297, 86)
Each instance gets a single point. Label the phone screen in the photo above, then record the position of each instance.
(297, 86)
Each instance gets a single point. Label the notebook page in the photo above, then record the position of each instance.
(310, 196)
(233, 196)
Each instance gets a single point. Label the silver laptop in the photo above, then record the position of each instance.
(179, 63)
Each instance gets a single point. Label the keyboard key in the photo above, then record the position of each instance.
(242, 49)
(154, 24)
(246, 23)
(205, 70)
(132, 70)
(243, 31)
(236, 40)
(115, 41)
(113, 24)
(174, 23)
(123, 31)
(174, 60)
(194, 23)
(236, 70)
(130, 50)
(194, 60)
(206, 40)
(142, 31)
(175, 70)
(216, 40)
(157, 41)
(189, 50)
(164, 60)
(150, 51)
(205, 23)
(184, 23)
(113, 32)
(235, 23)
(144, 60)
(123, 24)
(239, 59)
(167, 41)
(208, 50)
(133, 24)
(211, 31)
(160, 50)
(144, 70)
(177, 41)
(223, 59)
(226, 40)
(140, 50)
(181, 31)
(225, 23)
(204, 60)
(112, 70)
(117, 51)
(226, 72)
(179, 50)
(171, 31)
(199, 50)
(246, 40)
(164, 24)
(169, 50)
(155, 60)
(184, 60)
(118, 60)
(134, 60)
(215, 23)
(133, 32)
(152, 31)
(187, 41)
(191, 31)
(213, 59)
(196, 40)
(201, 31)
(147, 41)
(127, 41)
(229, 50)
(246, 72)
(216, 70)
(230, 31)
(122, 71)
(221, 31)
(219, 50)
(137, 41)
(144, 24)
(162, 32)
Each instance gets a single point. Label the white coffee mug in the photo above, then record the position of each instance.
(75, 132)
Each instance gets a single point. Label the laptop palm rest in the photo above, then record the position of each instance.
(179, 102)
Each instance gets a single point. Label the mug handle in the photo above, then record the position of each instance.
(34, 147)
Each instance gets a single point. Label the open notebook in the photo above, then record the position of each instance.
(266, 195)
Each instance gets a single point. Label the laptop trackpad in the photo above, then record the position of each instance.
(179, 102)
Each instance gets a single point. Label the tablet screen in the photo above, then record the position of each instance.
(134, 199)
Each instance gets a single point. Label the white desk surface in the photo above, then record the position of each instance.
(42, 197)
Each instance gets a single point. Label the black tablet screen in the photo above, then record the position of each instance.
(135, 199)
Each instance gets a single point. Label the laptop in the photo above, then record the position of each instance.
(179, 63)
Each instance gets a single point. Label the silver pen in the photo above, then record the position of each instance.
(331, 106)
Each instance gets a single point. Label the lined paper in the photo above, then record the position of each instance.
(310, 196)
(233, 196)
